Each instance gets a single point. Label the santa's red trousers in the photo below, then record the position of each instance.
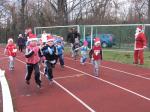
(138, 55)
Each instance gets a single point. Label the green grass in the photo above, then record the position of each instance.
(122, 56)
(125, 57)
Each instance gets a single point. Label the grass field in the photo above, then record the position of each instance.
(125, 57)
(122, 56)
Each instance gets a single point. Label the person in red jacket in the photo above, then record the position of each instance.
(96, 56)
(139, 45)
(11, 52)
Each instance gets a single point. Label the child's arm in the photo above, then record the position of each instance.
(91, 53)
(101, 54)
(29, 53)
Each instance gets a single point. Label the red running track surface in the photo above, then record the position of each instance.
(119, 88)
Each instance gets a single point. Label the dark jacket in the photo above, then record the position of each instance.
(21, 41)
(49, 52)
(71, 37)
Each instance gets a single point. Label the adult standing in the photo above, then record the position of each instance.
(139, 45)
(44, 37)
(72, 37)
(21, 42)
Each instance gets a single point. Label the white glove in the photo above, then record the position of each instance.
(14, 50)
(145, 47)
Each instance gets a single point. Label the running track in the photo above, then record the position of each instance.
(120, 88)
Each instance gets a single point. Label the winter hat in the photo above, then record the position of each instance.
(32, 37)
(50, 38)
(97, 40)
(85, 43)
(10, 40)
(20, 35)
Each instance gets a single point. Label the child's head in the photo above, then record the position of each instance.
(32, 40)
(97, 41)
(50, 40)
(10, 41)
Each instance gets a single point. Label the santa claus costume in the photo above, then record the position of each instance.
(139, 45)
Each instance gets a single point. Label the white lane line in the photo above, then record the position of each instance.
(70, 93)
(7, 100)
(112, 84)
(71, 76)
(121, 71)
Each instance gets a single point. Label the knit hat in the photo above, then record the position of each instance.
(32, 37)
(49, 38)
(85, 43)
(10, 40)
(97, 40)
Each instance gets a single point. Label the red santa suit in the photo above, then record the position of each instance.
(139, 45)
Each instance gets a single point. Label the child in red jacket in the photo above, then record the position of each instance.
(11, 52)
(96, 56)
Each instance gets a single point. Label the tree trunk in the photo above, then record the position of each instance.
(148, 11)
(62, 17)
(22, 11)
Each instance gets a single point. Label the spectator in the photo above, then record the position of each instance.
(44, 37)
(139, 45)
(72, 37)
(21, 42)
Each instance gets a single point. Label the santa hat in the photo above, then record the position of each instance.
(139, 28)
(10, 40)
(97, 40)
(85, 43)
(32, 37)
(50, 38)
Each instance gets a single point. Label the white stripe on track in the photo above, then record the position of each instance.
(121, 71)
(71, 76)
(66, 90)
(7, 100)
(112, 84)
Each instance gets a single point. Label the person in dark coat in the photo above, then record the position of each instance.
(21, 42)
(72, 37)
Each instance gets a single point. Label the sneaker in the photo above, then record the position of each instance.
(39, 85)
(27, 82)
(62, 66)
(11, 68)
(50, 81)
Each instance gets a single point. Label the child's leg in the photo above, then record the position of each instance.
(11, 62)
(29, 72)
(37, 74)
(49, 70)
(72, 51)
(96, 67)
(61, 60)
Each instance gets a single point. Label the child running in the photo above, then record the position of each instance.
(11, 52)
(84, 51)
(32, 60)
(49, 51)
(96, 56)
(60, 53)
